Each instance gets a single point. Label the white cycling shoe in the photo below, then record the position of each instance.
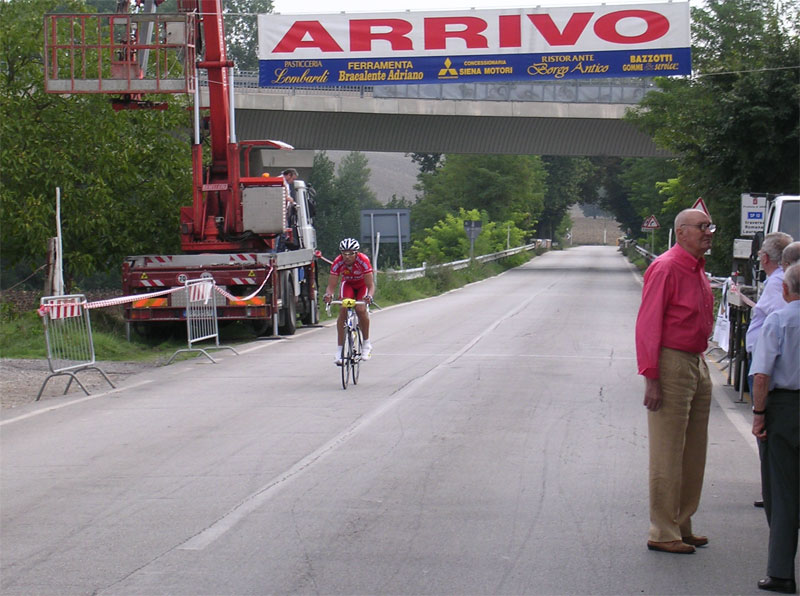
(337, 359)
(366, 352)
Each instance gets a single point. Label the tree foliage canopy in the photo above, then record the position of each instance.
(122, 175)
(340, 194)
(734, 127)
(506, 187)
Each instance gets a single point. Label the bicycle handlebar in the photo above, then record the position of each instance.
(347, 303)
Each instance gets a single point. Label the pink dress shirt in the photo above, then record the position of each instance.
(677, 309)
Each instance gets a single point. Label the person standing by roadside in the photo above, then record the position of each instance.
(776, 424)
(770, 256)
(672, 330)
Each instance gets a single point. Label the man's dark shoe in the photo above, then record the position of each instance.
(758, 503)
(676, 547)
(777, 584)
(695, 540)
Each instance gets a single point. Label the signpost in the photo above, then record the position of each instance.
(473, 230)
(754, 211)
(651, 225)
(388, 225)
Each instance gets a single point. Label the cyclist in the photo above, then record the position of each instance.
(357, 281)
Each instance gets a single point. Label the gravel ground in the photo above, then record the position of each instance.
(20, 380)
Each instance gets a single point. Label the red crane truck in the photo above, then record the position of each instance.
(248, 231)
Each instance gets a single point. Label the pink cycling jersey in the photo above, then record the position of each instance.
(354, 273)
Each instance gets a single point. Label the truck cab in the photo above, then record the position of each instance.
(783, 215)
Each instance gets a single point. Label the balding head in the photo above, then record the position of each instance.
(791, 283)
(689, 233)
(791, 255)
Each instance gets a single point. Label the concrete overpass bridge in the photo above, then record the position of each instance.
(552, 118)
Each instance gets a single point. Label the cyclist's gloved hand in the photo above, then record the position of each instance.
(367, 298)
(327, 298)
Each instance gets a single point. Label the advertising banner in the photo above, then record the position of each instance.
(473, 46)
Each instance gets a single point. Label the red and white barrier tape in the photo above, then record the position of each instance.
(745, 299)
(60, 310)
(244, 298)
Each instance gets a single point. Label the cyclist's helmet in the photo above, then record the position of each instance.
(349, 244)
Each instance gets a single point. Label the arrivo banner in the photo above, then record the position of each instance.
(474, 45)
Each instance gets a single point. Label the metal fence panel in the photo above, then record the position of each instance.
(68, 334)
(201, 317)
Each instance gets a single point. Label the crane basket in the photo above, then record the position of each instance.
(120, 53)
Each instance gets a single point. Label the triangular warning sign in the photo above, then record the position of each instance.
(651, 223)
(700, 204)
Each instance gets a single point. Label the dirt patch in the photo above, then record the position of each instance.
(21, 379)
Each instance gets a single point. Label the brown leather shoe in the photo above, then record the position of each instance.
(695, 540)
(676, 547)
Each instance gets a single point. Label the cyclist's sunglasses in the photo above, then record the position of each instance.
(348, 253)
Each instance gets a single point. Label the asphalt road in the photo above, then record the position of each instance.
(496, 444)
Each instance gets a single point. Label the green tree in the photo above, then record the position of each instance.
(735, 126)
(328, 219)
(565, 179)
(123, 176)
(428, 162)
(447, 241)
(507, 187)
(340, 198)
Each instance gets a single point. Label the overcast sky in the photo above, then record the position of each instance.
(325, 6)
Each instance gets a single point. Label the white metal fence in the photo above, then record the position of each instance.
(201, 318)
(68, 334)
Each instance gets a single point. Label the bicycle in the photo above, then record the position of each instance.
(353, 340)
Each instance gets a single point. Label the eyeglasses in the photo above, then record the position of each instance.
(703, 227)
(348, 253)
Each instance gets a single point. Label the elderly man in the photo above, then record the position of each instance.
(672, 331)
(771, 299)
(770, 256)
(776, 424)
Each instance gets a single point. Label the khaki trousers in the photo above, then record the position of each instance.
(678, 434)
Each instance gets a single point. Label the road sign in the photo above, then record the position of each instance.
(651, 223)
(754, 212)
(472, 228)
(701, 205)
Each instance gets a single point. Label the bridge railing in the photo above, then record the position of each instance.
(623, 90)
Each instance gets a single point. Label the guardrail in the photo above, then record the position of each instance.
(646, 254)
(405, 274)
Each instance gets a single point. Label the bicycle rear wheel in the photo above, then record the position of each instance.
(347, 358)
(357, 351)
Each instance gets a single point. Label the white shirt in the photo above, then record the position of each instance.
(770, 301)
(778, 349)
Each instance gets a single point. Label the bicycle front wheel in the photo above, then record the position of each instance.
(358, 344)
(347, 358)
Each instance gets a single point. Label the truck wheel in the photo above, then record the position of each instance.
(310, 313)
(287, 320)
(261, 326)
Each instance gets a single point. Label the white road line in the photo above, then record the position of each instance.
(256, 499)
(73, 402)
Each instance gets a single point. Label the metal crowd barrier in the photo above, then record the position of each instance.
(201, 318)
(68, 333)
